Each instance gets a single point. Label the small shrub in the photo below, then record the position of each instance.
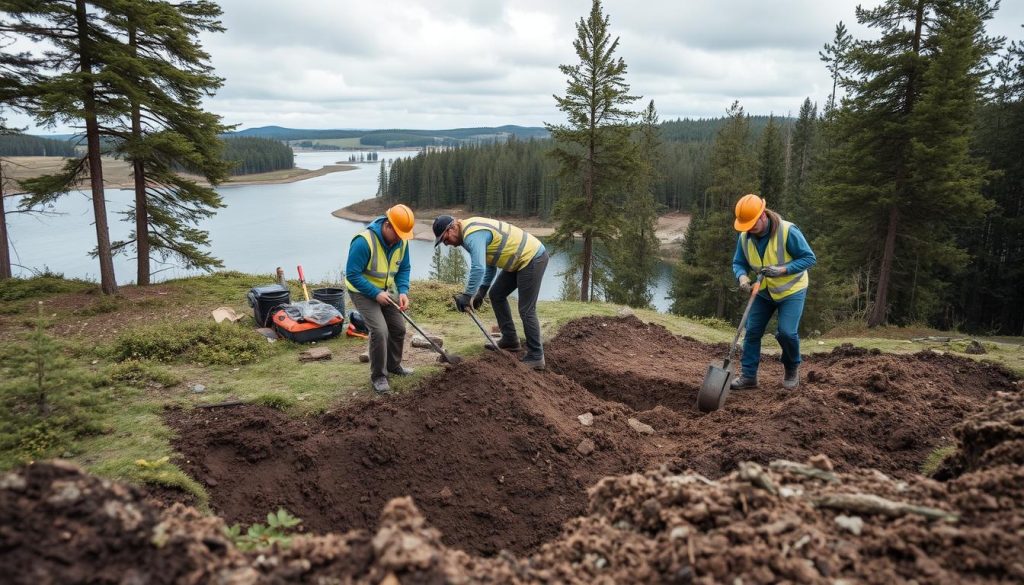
(277, 531)
(714, 323)
(142, 374)
(197, 342)
(102, 305)
(430, 299)
(274, 400)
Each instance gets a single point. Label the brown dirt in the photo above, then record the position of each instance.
(487, 449)
(492, 459)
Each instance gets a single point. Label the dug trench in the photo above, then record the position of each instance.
(496, 456)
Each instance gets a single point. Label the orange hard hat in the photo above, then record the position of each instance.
(748, 209)
(402, 220)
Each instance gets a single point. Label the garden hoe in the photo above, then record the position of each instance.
(715, 388)
(445, 356)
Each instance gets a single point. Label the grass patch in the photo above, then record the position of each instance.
(935, 459)
(199, 342)
(142, 374)
(275, 400)
(46, 284)
(102, 305)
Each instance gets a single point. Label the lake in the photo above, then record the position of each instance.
(261, 227)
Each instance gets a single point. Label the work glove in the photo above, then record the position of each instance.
(774, 271)
(745, 284)
(478, 298)
(463, 302)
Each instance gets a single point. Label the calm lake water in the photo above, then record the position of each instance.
(261, 227)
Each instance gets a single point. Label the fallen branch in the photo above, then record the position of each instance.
(805, 470)
(871, 504)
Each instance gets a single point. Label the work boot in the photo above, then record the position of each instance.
(792, 378)
(381, 386)
(535, 363)
(743, 383)
(506, 344)
(402, 371)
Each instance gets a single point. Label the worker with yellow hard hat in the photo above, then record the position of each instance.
(769, 245)
(377, 276)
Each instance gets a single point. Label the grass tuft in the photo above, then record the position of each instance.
(199, 342)
(935, 459)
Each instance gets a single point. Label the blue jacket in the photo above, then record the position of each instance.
(796, 245)
(359, 255)
(480, 273)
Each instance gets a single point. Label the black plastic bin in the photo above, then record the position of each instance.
(332, 296)
(264, 300)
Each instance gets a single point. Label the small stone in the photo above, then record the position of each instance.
(821, 461)
(197, 388)
(586, 419)
(854, 524)
(821, 343)
(64, 492)
(94, 362)
(424, 342)
(600, 563)
(364, 357)
(445, 493)
(316, 354)
(679, 532)
(586, 447)
(625, 312)
(640, 427)
(13, 482)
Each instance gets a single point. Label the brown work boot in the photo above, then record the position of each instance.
(744, 383)
(506, 344)
(792, 378)
(536, 363)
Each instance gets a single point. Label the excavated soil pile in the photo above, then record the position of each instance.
(490, 450)
(861, 408)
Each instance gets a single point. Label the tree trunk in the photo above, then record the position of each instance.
(108, 283)
(588, 260)
(880, 307)
(141, 203)
(5, 250)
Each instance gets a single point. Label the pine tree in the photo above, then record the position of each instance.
(900, 178)
(163, 74)
(771, 163)
(633, 256)
(801, 160)
(67, 84)
(703, 283)
(593, 149)
(834, 56)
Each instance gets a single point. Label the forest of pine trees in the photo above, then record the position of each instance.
(25, 145)
(249, 155)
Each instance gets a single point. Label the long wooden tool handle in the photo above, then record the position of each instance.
(302, 281)
(746, 312)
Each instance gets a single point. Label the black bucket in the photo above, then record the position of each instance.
(264, 300)
(332, 296)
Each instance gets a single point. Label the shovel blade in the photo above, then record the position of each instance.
(715, 388)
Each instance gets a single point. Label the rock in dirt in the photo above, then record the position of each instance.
(586, 419)
(315, 354)
(422, 343)
(364, 357)
(586, 447)
(640, 427)
(852, 523)
(197, 388)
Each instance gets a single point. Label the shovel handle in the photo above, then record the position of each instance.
(743, 320)
(302, 281)
(420, 331)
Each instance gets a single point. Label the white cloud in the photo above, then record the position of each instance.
(458, 63)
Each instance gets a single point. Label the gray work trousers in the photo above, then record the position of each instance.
(527, 281)
(387, 334)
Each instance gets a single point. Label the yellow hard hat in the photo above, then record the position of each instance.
(402, 219)
(748, 209)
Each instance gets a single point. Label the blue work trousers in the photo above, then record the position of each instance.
(790, 310)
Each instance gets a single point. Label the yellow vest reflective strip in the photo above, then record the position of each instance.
(379, 271)
(782, 286)
(511, 248)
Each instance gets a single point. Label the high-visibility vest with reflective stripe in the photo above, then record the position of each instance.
(775, 254)
(511, 248)
(380, 270)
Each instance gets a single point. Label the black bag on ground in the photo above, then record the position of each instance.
(266, 299)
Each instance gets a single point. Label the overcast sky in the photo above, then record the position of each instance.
(458, 63)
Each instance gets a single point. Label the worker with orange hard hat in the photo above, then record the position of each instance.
(377, 276)
(769, 245)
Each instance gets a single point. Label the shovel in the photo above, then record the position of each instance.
(490, 340)
(445, 356)
(715, 388)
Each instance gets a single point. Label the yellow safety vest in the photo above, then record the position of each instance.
(774, 255)
(511, 248)
(380, 270)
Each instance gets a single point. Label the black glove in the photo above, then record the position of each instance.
(478, 298)
(463, 302)
(774, 271)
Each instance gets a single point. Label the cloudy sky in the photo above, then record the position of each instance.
(458, 63)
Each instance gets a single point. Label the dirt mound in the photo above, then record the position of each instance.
(990, 438)
(491, 451)
(862, 408)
